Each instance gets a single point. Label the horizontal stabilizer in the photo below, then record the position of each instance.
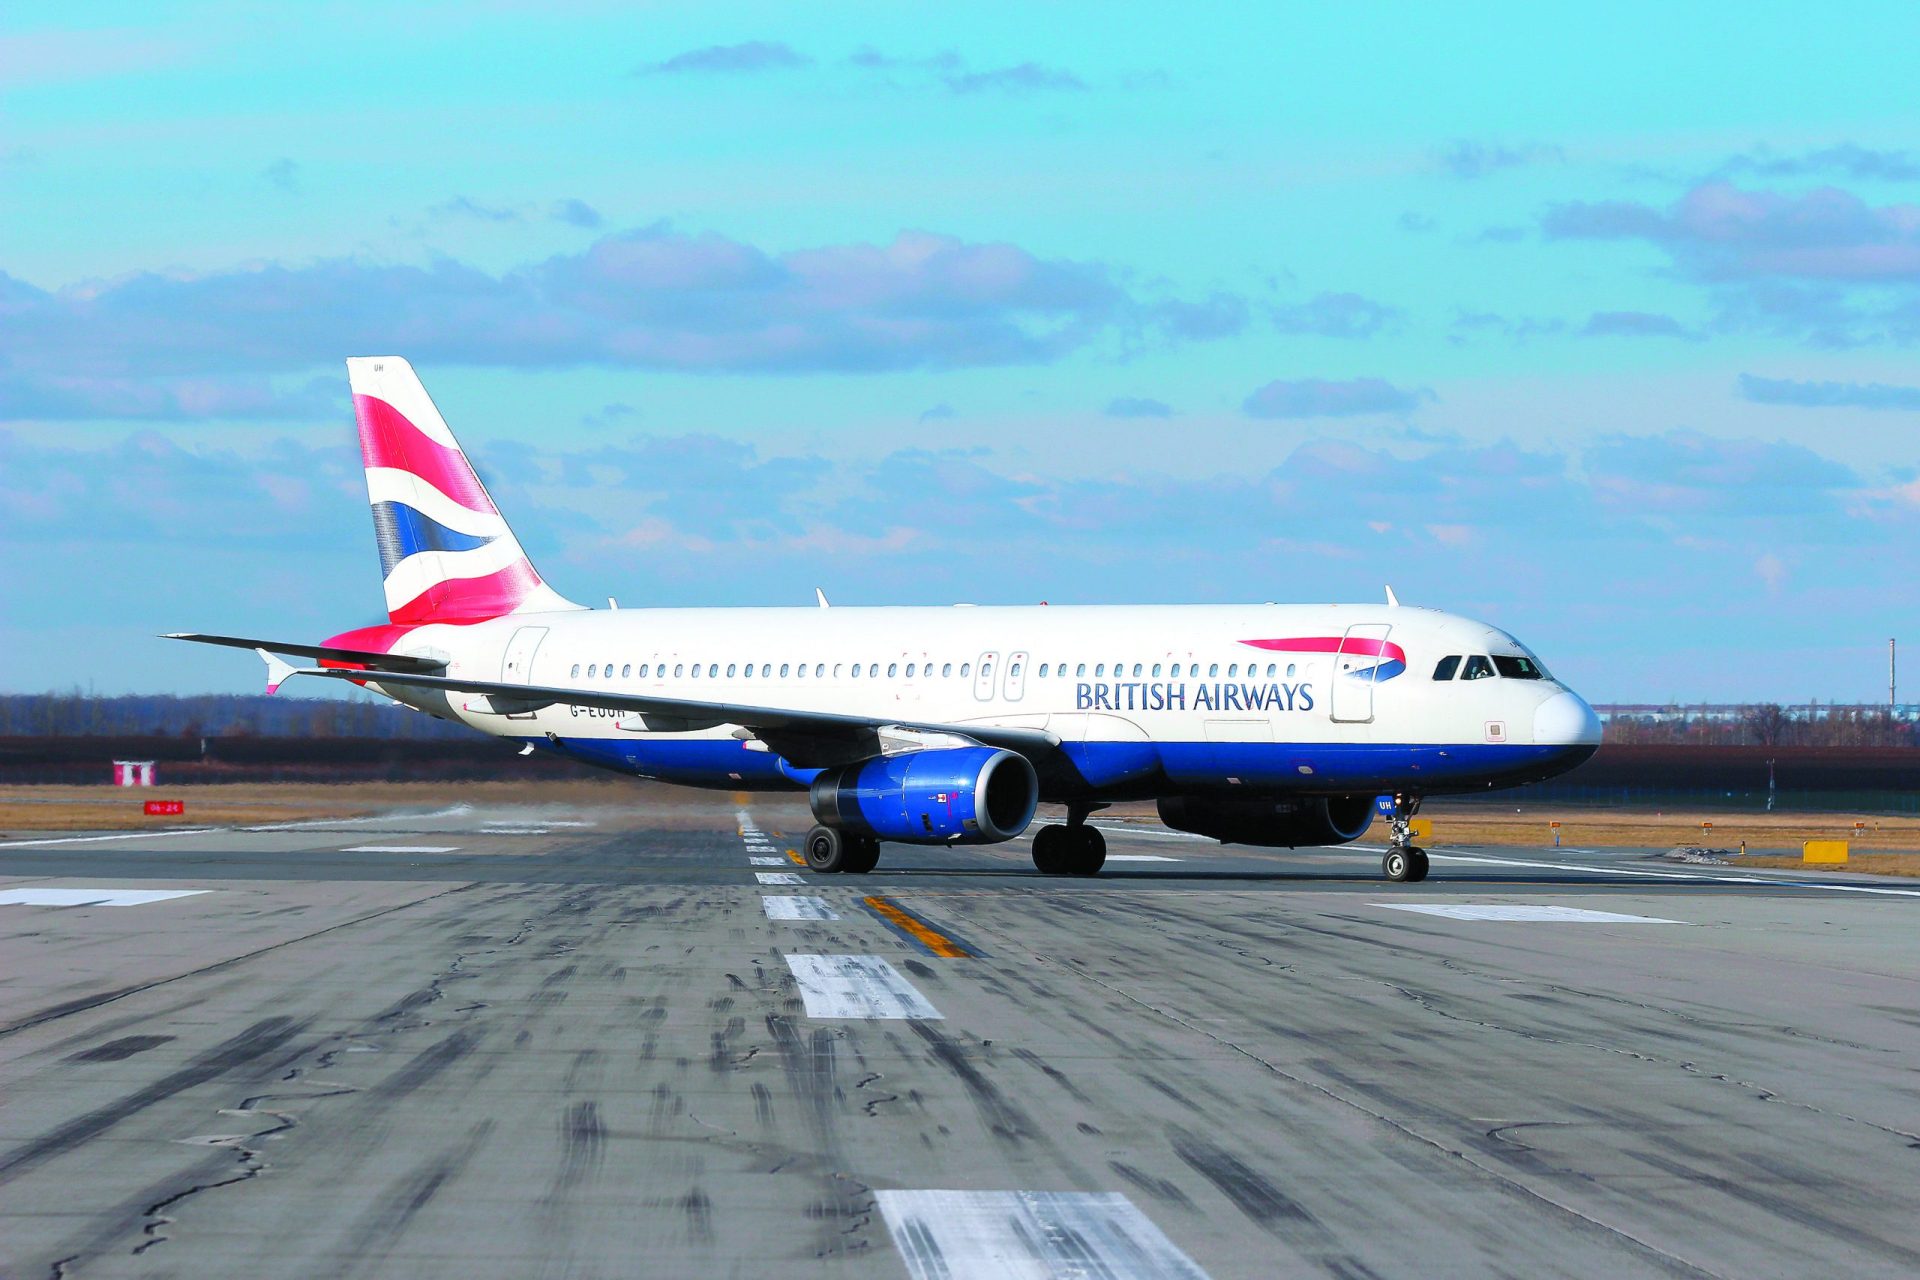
(324, 653)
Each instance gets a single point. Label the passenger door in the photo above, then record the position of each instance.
(983, 675)
(1361, 651)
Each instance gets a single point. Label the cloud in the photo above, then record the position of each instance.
(283, 175)
(1685, 473)
(873, 60)
(1862, 164)
(56, 398)
(727, 59)
(649, 298)
(1334, 315)
(1416, 222)
(939, 413)
(1220, 315)
(465, 207)
(1025, 77)
(1317, 398)
(1472, 160)
(1633, 324)
(1828, 395)
(1718, 232)
(1137, 407)
(576, 213)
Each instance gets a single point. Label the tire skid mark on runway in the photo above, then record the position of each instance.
(985, 1235)
(1645, 1249)
(84, 1003)
(262, 1038)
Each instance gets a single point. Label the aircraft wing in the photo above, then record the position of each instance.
(809, 739)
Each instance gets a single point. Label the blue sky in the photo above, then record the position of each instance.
(1600, 326)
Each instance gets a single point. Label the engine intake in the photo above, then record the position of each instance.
(1290, 823)
(962, 795)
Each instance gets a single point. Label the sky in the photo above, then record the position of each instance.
(1599, 325)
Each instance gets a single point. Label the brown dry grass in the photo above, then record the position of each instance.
(1866, 864)
(1617, 828)
(120, 809)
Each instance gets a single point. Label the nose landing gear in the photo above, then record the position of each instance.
(1404, 861)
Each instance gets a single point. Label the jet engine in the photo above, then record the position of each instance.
(959, 795)
(1290, 823)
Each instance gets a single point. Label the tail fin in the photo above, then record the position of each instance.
(445, 552)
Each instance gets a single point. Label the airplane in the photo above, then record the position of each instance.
(1270, 725)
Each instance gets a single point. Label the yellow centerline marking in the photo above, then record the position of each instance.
(927, 936)
(793, 856)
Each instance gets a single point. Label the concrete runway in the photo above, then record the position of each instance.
(480, 1043)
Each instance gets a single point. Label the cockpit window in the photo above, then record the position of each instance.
(1479, 667)
(1447, 666)
(1518, 668)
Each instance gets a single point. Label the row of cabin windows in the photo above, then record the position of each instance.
(924, 670)
(1478, 666)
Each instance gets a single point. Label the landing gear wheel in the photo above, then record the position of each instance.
(1051, 850)
(1398, 865)
(827, 849)
(863, 854)
(1089, 851)
(1418, 857)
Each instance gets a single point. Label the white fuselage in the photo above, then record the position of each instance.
(1148, 699)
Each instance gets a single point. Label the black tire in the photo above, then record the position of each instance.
(826, 850)
(1050, 851)
(1089, 851)
(1420, 864)
(863, 855)
(1397, 865)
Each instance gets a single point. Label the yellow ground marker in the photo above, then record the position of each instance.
(1824, 851)
(927, 936)
(793, 856)
(1422, 828)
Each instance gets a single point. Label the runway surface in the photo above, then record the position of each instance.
(522, 1042)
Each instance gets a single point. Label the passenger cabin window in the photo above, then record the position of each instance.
(1479, 667)
(1012, 671)
(1514, 667)
(986, 670)
(1100, 669)
(966, 669)
(1043, 671)
(1213, 669)
(1444, 669)
(946, 668)
(783, 671)
(819, 670)
(1081, 669)
(893, 669)
(1156, 671)
(576, 671)
(626, 669)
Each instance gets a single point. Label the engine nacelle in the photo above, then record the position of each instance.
(961, 795)
(1290, 823)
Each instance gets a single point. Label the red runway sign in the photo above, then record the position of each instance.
(165, 808)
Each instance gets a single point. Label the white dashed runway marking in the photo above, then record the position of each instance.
(798, 909)
(777, 877)
(1559, 915)
(1138, 857)
(52, 897)
(1029, 1235)
(857, 987)
(767, 862)
(403, 848)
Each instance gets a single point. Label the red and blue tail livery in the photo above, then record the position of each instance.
(446, 554)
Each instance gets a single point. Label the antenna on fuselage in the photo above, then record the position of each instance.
(821, 596)
(1393, 601)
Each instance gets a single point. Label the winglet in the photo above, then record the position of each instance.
(277, 671)
(1393, 601)
(821, 596)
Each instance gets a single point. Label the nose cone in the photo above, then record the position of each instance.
(1565, 720)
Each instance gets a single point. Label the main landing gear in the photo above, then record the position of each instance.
(831, 849)
(1404, 861)
(1073, 850)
